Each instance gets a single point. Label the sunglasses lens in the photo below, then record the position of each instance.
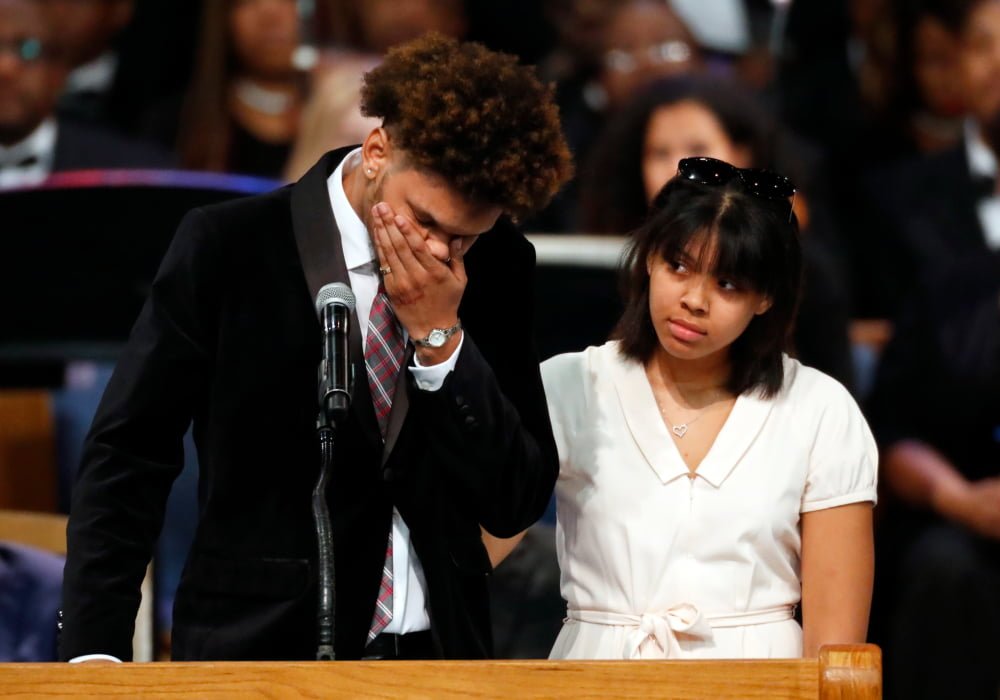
(760, 183)
(764, 183)
(707, 171)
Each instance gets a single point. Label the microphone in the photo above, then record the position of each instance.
(334, 304)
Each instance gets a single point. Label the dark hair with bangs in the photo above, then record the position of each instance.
(755, 244)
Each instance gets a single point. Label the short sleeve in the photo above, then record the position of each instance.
(562, 382)
(567, 382)
(843, 461)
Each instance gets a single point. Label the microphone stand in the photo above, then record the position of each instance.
(334, 405)
(324, 536)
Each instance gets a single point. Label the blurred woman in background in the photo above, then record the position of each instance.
(241, 112)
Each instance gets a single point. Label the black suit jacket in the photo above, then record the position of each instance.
(920, 215)
(84, 147)
(229, 337)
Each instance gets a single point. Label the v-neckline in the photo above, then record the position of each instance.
(692, 471)
(642, 415)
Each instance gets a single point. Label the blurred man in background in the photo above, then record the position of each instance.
(34, 142)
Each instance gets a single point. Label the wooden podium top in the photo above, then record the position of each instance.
(840, 672)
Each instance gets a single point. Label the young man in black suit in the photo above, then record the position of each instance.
(458, 439)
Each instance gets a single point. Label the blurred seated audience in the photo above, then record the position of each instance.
(241, 111)
(34, 141)
(835, 77)
(360, 33)
(927, 212)
(332, 117)
(889, 91)
(607, 51)
(84, 32)
(643, 40)
(375, 26)
(929, 107)
(835, 69)
(30, 592)
(699, 116)
(935, 410)
(923, 112)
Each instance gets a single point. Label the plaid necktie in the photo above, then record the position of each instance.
(383, 357)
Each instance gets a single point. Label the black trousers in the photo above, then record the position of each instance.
(412, 646)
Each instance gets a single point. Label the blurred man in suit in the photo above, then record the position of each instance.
(937, 209)
(936, 407)
(84, 31)
(33, 142)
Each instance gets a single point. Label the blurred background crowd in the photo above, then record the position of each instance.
(884, 113)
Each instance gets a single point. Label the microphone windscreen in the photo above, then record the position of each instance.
(335, 292)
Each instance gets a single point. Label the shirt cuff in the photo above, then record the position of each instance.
(432, 378)
(93, 657)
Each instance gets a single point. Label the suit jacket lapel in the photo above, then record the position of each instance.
(322, 257)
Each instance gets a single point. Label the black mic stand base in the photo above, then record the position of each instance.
(324, 539)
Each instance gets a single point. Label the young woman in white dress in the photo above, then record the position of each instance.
(710, 484)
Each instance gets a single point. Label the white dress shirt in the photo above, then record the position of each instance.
(983, 162)
(409, 597)
(38, 147)
(94, 76)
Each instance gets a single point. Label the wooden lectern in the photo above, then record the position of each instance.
(840, 672)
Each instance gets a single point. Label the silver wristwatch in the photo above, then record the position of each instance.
(438, 336)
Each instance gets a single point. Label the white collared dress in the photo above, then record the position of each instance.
(659, 565)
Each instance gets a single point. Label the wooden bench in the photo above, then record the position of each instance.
(27, 451)
(841, 672)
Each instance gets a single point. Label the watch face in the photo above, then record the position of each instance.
(436, 338)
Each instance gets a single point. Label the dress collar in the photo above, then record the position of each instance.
(649, 432)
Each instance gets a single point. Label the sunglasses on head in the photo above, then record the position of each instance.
(763, 184)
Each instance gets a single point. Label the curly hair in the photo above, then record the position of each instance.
(473, 116)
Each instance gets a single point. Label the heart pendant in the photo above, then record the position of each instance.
(679, 430)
